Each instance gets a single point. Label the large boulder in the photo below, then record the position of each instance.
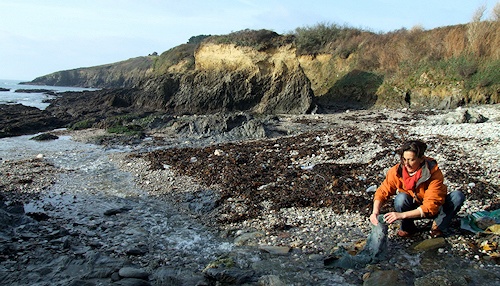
(18, 119)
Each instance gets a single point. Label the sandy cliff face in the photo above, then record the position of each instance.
(324, 70)
(230, 58)
(231, 78)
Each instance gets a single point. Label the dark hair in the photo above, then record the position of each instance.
(416, 146)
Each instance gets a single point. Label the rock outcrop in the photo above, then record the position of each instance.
(231, 78)
(226, 78)
(18, 119)
(117, 75)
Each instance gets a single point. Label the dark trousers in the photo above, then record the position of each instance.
(452, 204)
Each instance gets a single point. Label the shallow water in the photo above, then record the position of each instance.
(93, 184)
(34, 99)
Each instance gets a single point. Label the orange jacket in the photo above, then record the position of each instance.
(429, 192)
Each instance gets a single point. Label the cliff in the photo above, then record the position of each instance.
(122, 74)
(328, 67)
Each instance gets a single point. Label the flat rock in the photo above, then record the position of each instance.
(429, 244)
(276, 250)
(132, 272)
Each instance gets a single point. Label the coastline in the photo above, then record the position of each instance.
(311, 233)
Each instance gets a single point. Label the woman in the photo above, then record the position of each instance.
(418, 183)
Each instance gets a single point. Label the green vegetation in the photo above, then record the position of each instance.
(84, 124)
(260, 40)
(461, 57)
(184, 52)
(327, 38)
(129, 124)
(132, 130)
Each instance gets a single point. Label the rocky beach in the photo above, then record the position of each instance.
(243, 200)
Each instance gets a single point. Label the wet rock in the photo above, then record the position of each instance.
(175, 276)
(275, 250)
(232, 275)
(81, 283)
(247, 238)
(440, 277)
(202, 201)
(270, 280)
(116, 211)
(139, 250)
(33, 90)
(387, 277)
(44, 137)
(18, 119)
(39, 216)
(430, 244)
(131, 282)
(132, 272)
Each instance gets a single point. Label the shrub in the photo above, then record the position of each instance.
(257, 39)
(133, 130)
(84, 124)
(325, 37)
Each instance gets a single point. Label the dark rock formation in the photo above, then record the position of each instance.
(34, 90)
(116, 75)
(18, 120)
(45, 137)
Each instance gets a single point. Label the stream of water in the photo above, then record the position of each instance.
(93, 184)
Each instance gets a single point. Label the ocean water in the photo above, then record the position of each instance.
(34, 99)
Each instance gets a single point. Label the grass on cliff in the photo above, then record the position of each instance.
(466, 57)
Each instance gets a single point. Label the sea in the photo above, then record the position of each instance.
(34, 99)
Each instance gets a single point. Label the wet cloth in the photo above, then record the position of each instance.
(374, 251)
(481, 221)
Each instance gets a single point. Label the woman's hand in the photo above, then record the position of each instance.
(392, 217)
(374, 218)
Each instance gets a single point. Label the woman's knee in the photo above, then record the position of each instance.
(457, 198)
(403, 202)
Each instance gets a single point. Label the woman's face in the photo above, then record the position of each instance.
(411, 161)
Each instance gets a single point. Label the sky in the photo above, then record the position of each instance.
(42, 37)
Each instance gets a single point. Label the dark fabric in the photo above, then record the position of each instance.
(374, 251)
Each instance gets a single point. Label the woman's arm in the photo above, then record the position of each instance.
(394, 216)
(375, 212)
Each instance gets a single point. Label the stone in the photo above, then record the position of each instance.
(430, 244)
(442, 278)
(275, 250)
(132, 272)
(245, 238)
(44, 137)
(131, 282)
(386, 278)
(232, 276)
(116, 211)
(270, 280)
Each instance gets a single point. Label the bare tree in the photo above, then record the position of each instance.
(478, 14)
(495, 13)
(474, 27)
